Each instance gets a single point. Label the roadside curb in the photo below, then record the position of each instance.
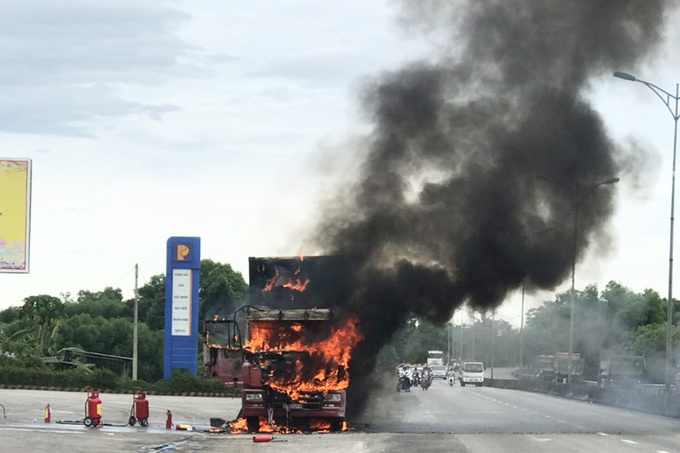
(118, 391)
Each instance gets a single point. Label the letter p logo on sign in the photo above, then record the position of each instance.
(182, 252)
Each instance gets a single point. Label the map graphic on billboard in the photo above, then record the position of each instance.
(15, 214)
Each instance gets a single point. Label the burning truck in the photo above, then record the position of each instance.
(296, 369)
(297, 346)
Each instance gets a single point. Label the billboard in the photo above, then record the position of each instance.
(15, 214)
(183, 263)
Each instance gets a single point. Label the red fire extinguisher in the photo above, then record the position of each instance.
(93, 408)
(140, 409)
(48, 414)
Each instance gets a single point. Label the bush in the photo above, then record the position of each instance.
(12, 372)
(182, 381)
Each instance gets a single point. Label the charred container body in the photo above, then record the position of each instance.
(288, 377)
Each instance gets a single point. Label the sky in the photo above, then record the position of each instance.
(231, 121)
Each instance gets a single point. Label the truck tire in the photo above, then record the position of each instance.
(253, 424)
(336, 424)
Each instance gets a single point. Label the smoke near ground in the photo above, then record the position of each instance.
(477, 158)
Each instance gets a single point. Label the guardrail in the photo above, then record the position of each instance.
(644, 397)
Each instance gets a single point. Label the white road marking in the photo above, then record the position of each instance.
(663, 451)
(540, 439)
(603, 434)
(58, 431)
(628, 441)
(547, 416)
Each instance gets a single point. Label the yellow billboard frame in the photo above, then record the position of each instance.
(15, 214)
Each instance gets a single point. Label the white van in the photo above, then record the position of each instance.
(471, 373)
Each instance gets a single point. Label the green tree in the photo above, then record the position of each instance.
(221, 288)
(151, 302)
(46, 311)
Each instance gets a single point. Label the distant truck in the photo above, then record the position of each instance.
(562, 370)
(543, 368)
(619, 368)
(435, 358)
(471, 373)
(287, 379)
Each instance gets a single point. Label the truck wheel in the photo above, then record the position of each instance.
(336, 424)
(253, 424)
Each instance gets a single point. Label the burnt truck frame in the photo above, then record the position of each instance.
(222, 360)
(259, 400)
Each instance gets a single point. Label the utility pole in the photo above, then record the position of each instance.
(460, 355)
(521, 331)
(134, 334)
(448, 335)
(493, 338)
(473, 338)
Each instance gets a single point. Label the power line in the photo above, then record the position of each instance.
(122, 277)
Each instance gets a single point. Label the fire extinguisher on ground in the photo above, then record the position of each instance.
(140, 409)
(93, 408)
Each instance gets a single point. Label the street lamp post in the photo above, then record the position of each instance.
(521, 332)
(493, 339)
(577, 199)
(524, 285)
(666, 97)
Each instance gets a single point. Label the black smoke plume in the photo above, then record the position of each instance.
(475, 152)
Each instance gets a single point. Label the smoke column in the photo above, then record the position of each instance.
(474, 153)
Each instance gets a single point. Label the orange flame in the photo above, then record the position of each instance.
(327, 367)
(272, 281)
(239, 426)
(320, 425)
(296, 285)
(265, 427)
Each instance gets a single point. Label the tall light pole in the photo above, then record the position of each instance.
(449, 328)
(665, 97)
(577, 199)
(134, 328)
(524, 284)
(493, 338)
(521, 331)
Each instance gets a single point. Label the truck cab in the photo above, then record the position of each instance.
(275, 385)
(471, 373)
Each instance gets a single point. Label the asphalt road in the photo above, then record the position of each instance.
(443, 418)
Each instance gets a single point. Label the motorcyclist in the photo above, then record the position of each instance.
(427, 379)
(451, 377)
